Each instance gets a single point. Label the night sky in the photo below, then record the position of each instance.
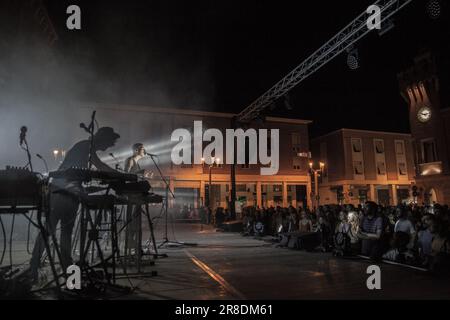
(221, 55)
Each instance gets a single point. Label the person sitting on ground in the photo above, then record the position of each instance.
(284, 219)
(371, 229)
(399, 245)
(391, 220)
(354, 223)
(425, 239)
(305, 224)
(323, 229)
(403, 224)
(440, 248)
(293, 224)
(342, 226)
(341, 235)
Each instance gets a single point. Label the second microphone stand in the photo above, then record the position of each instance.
(166, 240)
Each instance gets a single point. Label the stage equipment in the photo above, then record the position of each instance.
(345, 38)
(353, 59)
(166, 240)
(43, 160)
(19, 187)
(23, 140)
(434, 9)
(98, 215)
(22, 192)
(86, 175)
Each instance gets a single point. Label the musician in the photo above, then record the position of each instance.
(64, 201)
(132, 163)
(134, 220)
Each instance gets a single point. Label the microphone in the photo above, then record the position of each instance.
(43, 160)
(23, 133)
(88, 129)
(117, 161)
(83, 126)
(150, 154)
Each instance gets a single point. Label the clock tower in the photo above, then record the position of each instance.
(419, 86)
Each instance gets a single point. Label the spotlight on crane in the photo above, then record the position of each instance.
(434, 9)
(353, 59)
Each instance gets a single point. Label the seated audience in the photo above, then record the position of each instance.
(371, 229)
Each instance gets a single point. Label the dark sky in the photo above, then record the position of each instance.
(221, 55)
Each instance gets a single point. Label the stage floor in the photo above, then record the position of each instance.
(229, 266)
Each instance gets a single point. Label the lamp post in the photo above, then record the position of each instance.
(316, 173)
(214, 161)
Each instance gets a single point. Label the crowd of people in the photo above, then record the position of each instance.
(410, 234)
(205, 215)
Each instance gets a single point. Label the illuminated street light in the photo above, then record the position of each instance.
(316, 173)
(214, 161)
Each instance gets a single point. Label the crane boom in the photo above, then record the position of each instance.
(345, 38)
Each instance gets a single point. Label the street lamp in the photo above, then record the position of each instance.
(55, 154)
(214, 161)
(316, 173)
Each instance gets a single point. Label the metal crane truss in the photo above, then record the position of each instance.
(344, 39)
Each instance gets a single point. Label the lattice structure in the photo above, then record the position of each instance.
(345, 38)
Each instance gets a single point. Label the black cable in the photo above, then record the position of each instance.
(10, 240)
(4, 240)
(29, 234)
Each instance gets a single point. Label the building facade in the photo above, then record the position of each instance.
(364, 165)
(153, 127)
(429, 117)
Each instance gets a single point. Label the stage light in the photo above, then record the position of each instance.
(434, 9)
(353, 59)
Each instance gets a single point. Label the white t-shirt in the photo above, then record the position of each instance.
(404, 225)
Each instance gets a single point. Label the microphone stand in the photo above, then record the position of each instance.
(91, 133)
(44, 161)
(90, 130)
(166, 205)
(27, 150)
(118, 168)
